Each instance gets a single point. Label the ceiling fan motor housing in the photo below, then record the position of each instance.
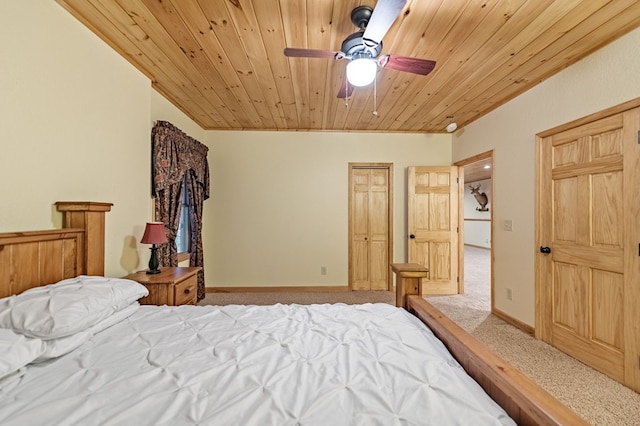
(354, 44)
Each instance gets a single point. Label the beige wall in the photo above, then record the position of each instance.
(75, 126)
(278, 210)
(162, 109)
(608, 77)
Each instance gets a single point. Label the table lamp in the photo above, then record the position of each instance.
(154, 234)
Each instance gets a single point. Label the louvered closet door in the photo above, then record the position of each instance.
(588, 205)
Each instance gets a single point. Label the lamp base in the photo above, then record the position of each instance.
(153, 261)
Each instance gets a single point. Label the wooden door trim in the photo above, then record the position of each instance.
(482, 156)
(474, 159)
(632, 258)
(617, 109)
(389, 167)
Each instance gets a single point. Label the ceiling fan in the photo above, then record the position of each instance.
(362, 48)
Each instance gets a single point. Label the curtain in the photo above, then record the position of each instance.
(176, 157)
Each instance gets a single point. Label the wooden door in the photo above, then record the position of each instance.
(587, 285)
(432, 221)
(370, 229)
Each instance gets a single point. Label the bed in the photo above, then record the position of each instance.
(121, 363)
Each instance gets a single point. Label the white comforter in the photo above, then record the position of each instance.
(370, 364)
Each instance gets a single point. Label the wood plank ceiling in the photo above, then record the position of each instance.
(222, 61)
(480, 170)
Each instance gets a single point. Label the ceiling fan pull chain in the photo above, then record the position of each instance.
(375, 95)
(346, 90)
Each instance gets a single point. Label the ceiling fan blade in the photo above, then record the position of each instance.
(345, 90)
(310, 53)
(385, 12)
(406, 64)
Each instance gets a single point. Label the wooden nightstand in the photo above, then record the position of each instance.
(172, 286)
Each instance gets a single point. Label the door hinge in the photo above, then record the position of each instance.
(458, 179)
(457, 229)
(638, 136)
(457, 279)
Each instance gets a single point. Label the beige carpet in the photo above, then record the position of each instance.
(599, 399)
(301, 298)
(596, 397)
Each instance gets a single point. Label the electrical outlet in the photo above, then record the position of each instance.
(323, 270)
(508, 225)
(509, 294)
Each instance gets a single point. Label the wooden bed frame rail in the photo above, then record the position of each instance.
(526, 402)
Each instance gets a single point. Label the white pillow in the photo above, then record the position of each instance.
(58, 347)
(69, 306)
(16, 351)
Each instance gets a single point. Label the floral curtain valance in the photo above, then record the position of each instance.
(174, 153)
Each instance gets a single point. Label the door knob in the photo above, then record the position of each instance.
(545, 250)
(412, 236)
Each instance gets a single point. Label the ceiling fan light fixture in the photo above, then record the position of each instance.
(362, 71)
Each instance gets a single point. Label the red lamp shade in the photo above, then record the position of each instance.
(154, 234)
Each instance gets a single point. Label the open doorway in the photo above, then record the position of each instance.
(477, 207)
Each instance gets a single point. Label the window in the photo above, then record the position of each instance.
(183, 237)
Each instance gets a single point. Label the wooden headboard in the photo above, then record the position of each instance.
(34, 258)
